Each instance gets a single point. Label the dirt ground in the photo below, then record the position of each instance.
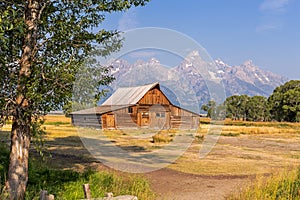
(169, 184)
(173, 185)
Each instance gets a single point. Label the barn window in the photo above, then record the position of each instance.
(160, 115)
(130, 110)
(145, 115)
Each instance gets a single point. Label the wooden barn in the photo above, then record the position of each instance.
(137, 107)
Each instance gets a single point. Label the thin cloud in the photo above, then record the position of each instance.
(274, 5)
(267, 27)
(272, 12)
(128, 20)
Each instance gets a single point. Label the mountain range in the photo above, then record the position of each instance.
(196, 80)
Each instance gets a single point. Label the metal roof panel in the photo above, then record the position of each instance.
(128, 95)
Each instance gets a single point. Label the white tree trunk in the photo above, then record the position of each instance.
(20, 133)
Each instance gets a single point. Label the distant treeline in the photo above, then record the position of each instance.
(282, 105)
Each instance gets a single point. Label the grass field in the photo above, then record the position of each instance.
(243, 148)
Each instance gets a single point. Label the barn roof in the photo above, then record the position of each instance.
(122, 98)
(129, 95)
(99, 110)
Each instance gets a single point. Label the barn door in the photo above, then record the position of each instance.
(145, 119)
(110, 120)
(159, 120)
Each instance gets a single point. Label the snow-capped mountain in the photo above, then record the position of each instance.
(248, 78)
(191, 80)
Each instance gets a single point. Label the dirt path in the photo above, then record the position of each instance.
(171, 185)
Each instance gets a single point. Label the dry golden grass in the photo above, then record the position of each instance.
(244, 148)
(235, 128)
(257, 130)
(127, 138)
(232, 160)
(243, 155)
(140, 138)
(6, 127)
(57, 118)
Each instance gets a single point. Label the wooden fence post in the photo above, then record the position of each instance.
(44, 195)
(87, 191)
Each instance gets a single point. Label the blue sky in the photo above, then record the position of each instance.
(265, 31)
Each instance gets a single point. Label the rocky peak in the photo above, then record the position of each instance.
(246, 78)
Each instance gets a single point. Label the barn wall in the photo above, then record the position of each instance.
(154, 96)
(124, 118)
(140, 116)
(153, 116)
(86, 120)
(160, 117)
(183, 119)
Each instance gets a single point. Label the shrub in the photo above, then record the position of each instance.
(163, 137)
(199, 137)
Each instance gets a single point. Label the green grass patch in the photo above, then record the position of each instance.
(280, 186)
(284, 125)
(4, 159)
(4, 136)
(67, 184)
